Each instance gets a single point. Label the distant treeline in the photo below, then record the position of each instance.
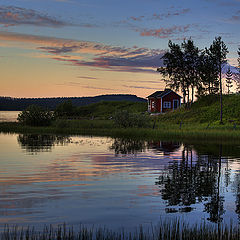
(19, 104)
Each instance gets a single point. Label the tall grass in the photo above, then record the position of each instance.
(160, 130)
(175, 230)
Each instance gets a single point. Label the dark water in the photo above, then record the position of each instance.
(49, 179)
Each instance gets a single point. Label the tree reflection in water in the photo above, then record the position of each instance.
(34, 143)
(186, 182)
(128, 146)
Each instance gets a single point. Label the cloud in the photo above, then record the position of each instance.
(235, 17)
(85, 77)
(11, 16)
(89, 54)
(164, 32)
(170, 14)
(141, 87)
(137, 18)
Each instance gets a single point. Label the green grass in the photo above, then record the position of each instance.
(174, 230)
(106, 109)
(207, 110)
(162, 130)
(201, 121)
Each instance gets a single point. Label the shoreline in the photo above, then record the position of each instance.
(104, 128)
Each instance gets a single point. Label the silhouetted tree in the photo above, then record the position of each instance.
(191, 57)
(36, 116)
(218, 53)
(229, 79)
(239, 59)
(173, 69)
(65, 109)
(208, 75)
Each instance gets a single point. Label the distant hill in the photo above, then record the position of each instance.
(18, 104)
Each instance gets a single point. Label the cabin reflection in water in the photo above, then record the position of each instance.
(165, 147)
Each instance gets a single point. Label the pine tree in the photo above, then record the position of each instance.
(218, 52)
(229, 79)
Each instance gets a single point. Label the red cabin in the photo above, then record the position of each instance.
(163, 101)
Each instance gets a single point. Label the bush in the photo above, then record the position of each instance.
(65, 109)
(125, 119)
(35, 116)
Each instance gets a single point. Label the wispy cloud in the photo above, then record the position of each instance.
(235, 17)
(11, 16)
(91, 54)
(161, 16)
(86, 77)
(14, 16)
(164, 32)
(75, 84)
(141, 87)
(170, 14)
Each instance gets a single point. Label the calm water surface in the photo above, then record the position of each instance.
(48, 179)
(8, 116)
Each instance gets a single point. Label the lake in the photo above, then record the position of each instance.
(50, 179)
(8, 116)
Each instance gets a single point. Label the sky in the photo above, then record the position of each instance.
(55, 48)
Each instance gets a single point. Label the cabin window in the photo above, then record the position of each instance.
(153, 104)
(167, 104)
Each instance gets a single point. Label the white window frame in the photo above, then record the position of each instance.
(166, 104)
(153, 104)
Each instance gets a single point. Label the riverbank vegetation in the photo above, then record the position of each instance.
(118, 119)
(174, 230)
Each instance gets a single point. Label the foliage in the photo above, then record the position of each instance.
(36, 116)
(65, 109)
(208, 75)
(239, 59)
(229, 79)
(218, 54)
(106, 109)
(173, 70)
(187, 68)
(125, 119)
(19, 104)
(191, 62)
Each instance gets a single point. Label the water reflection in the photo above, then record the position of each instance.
(166, 147)
(34, 143)
(128, 146)
(134, 146)
(117, 180)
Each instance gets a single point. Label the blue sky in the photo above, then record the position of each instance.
(101, 47)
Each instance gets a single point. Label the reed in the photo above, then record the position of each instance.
(165, 230)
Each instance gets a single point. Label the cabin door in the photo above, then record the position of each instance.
(175, 104)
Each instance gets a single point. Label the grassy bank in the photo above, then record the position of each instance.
(207, 110)
(201, 121)
(227, 132)
(175, 230)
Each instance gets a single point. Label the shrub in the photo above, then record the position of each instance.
(125, 119)
(35, 116)
(65, 109)
(61, 123)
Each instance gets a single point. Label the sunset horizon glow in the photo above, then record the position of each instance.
(71, 48)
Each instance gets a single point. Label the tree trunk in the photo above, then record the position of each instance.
(192, 93)
(220, 82)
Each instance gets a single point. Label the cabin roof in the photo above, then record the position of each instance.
(160, 94)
